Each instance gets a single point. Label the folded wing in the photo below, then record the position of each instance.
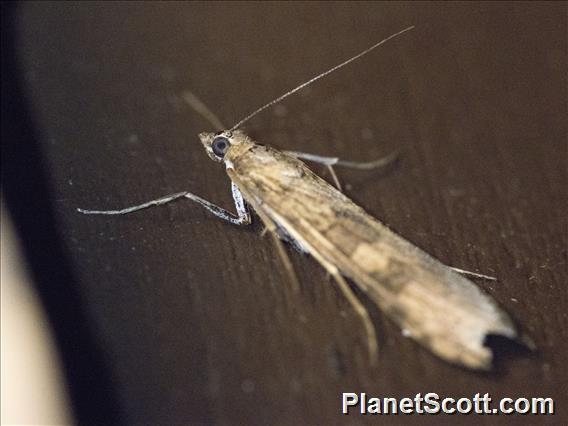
(437, 307)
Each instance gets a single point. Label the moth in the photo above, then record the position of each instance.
(431, 302)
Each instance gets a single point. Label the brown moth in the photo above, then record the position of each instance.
(431, 302)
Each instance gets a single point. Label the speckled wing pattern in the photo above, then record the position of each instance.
(434, 305)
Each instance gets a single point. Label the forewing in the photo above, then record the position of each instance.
(434, 305)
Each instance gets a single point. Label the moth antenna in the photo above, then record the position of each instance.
(317, 77)
(202, 109)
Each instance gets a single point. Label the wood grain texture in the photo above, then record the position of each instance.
(195, 317)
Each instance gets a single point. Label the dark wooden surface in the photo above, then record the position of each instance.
(194, 318)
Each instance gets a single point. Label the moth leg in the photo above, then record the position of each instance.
(335, 161)
(334, 177)
(156, 202)
(286, 261)
(473, 274)
(272, 228)
(372, 344)
(287, 238)
(242, 218)
(359, 309)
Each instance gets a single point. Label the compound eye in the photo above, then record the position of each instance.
(220, 146)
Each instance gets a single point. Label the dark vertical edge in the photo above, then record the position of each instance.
(28, 200)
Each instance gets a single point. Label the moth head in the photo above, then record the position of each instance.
(217, 145)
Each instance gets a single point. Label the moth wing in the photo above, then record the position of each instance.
(437, 307)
